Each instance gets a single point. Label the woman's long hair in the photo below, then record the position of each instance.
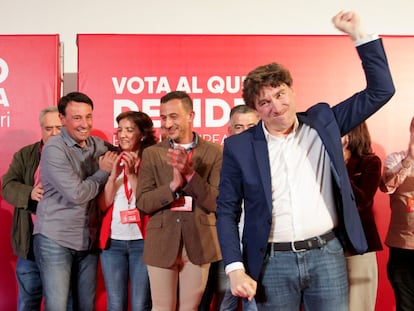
(359, 141)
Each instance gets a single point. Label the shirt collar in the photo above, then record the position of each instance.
(191, 147)
(69, 140)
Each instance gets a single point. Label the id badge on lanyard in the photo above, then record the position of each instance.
(184, 203)
(129, 215)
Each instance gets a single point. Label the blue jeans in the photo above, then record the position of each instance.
(120, 262)
(317, 278)
(400, 270)
(231, 303)
(30, 285)
(63, 269)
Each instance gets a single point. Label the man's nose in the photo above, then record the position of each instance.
(276, 105)
(168, 123)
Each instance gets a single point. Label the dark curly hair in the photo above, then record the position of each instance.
(267, 75)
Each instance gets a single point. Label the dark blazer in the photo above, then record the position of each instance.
(245, 172)
(167, 230)
(17, 185)
(365, 175)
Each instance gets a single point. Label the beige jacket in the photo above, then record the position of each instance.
(168, 230)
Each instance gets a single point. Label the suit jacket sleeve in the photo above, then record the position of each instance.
(379, 89)
(17, 183)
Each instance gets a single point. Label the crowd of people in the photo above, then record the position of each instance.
(187, 224)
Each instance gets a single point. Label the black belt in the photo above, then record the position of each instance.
(299, 246)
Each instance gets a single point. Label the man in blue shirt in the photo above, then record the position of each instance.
(74, 168)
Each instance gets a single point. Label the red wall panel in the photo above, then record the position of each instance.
(29, 81)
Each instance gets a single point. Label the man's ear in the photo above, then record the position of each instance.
(345, 141)
(62, 118)
(190, 116)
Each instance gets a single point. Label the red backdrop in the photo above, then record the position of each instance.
(29, 81)
(133, 71)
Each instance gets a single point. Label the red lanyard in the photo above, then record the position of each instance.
(128, 192)
(190, 155)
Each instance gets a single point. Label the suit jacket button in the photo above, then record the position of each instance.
(177, 220)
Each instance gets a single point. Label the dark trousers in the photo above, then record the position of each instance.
(400, 270)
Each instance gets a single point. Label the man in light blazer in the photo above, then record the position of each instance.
(299, 207)
(178, 186)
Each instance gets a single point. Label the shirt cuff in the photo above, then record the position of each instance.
(234, 266)
(368, 38)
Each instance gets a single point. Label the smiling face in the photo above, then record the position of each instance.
(276, 106)
(128, 135)
(177, 119)
(78, 121)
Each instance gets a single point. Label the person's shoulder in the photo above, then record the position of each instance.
(96, 139)
(209, 144)
(397, 154)
(56, 140)
(371, 158)
(162, 145)
(244, 136)
(316, 108)
(102, 142)
(28, 148)
(27, 151)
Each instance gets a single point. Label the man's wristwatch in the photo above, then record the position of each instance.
(176, 195)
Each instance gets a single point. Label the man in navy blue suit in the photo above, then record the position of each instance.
(300, 211)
